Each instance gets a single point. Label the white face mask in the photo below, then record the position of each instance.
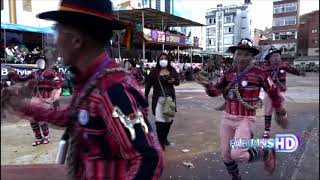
(127, 65)
(163, 63)
(41, 64)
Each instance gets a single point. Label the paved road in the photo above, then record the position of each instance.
(196, 128)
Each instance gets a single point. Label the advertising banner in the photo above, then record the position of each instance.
(182, 40)
(154, 35)
(161, 36)
(147, 34)
(172, 38)
(23, 70)
(196, 41)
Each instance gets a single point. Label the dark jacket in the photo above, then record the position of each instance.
(152, 81)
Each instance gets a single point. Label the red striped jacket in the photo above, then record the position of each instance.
(279, 75)
(43, 81)
(249, 87)
(106, 148)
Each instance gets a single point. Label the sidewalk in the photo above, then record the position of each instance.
(33, 172)
(308, 166)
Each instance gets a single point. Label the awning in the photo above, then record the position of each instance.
(19, 27)
(154, 17)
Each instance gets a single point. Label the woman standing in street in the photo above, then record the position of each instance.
(162, 78)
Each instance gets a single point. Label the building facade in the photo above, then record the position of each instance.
(162, 5)
(24, 12)
(308, 36)
(226, 25)
(285, 26)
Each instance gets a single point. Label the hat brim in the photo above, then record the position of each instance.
(69, 17)
(254, 51)
(267, 57)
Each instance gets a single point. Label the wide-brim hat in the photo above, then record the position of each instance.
(245, 44)
(271, 51)
(85, 12)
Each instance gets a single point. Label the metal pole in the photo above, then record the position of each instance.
(162, 30)
(12, 12)
(202, 57)
(178, 54)
(191, 54)
(118, 34)
(143, 43)
(5, 45)
(178, 47)
(42, 41)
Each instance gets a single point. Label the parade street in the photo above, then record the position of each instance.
(195, 153)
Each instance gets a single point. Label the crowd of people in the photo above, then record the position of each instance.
(107, 126)
(18, 53)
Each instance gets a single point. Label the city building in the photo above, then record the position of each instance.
(226, 25)
(285, 27)
(308, 34)
(24, 12)
(263, 40)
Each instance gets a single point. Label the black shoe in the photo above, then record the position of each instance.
(167, 143)
(236, 178)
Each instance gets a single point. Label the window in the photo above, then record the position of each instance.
(314, 30)
(285, 35)
(229, 30)
(212, 21)
(211, 42)
(283, 8)
(286, 48)
(228, 40)
(243, 28)
(228, 19)
(290, 7)
(291, 20)
(211, 31)
(285, 21)
(315, 41)
(27, 5)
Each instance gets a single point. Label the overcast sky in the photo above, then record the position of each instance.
(262, 9)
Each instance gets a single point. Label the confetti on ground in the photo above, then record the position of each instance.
(188, 164)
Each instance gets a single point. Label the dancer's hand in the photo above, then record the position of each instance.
(16, 97)
(200, 79)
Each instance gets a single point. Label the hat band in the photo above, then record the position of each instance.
(75, 8)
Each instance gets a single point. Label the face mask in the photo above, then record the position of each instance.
(41, 64)
(127, 66)
(163, 63)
